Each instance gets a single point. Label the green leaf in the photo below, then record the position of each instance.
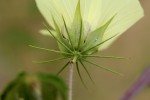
(35, 87)
(56, 83)
(11, 85)
(95, 37)
(17, 89)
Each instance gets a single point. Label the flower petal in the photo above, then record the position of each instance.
(45, 32)
(127, 13)
(95, 13)
(56, 9)
(91, 13)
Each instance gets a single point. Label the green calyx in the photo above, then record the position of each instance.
(76, 57)
(73, 43)
(77, 46)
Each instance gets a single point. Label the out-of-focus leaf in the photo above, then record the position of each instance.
(56, 85)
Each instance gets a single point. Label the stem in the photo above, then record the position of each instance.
(70, 81)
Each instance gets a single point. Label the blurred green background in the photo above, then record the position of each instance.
(20, 22)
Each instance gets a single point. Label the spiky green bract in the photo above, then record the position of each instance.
(83, 27)
(76, 45)
(47, 61)
(78, 70)
(95, 38)
(86, 71)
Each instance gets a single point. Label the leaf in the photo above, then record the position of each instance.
(12, 91)
(35, 87)
(56, 83)
(18, 89)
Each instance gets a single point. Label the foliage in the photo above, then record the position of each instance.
(35, 87)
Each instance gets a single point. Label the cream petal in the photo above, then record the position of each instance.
(95, 13)
(56, 9)
(128, 12)
(90, 10)
(45, 32)
(91, 13)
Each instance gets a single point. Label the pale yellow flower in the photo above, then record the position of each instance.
(83, 27)
(95, 13)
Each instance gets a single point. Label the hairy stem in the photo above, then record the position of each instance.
(70, 81)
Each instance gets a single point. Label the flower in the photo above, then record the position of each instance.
(83, 27)
(94, 14)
